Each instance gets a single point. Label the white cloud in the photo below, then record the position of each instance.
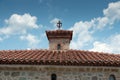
(115, 43)
(112, 45)
(19, 24)
(101, 47)
(84, 30)
(54, 21)
(111, 14)
(113, 11)
(33, 41)
(81, 33)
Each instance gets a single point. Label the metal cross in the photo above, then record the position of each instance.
(59, 24)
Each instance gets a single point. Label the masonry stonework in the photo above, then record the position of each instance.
(63, 42)
(59, 37)
(29, 72)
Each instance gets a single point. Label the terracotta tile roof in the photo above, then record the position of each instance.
(63, 57)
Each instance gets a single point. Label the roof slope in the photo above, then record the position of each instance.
(66, 57)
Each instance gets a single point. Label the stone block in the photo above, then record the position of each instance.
(81, 69)
(106, 70)
(23, 73)
(99, 69)
(31, 73)
(114, 70)
(93, 70)
(6, 73)
(53, 69)
(85, 78)
(22, 78)
(94, 78)
(88, 69)
(15, 74)
(61, 69)
(67, 69)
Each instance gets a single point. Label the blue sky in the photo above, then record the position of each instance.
(96, 23)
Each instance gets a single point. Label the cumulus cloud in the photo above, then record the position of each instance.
(113, 12)
(54, 21)
(19, 24)
(84, 30)
(32, 40)
(81, 34)
(101, 47)
(112, 45)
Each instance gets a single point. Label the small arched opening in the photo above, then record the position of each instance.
(112, 77)
(58, 47)
(53, 77)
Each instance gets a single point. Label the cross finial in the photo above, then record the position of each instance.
(59, 24)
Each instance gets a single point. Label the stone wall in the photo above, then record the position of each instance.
(29, 72)
(63, 42)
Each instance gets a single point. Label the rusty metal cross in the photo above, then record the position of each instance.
(59, 24)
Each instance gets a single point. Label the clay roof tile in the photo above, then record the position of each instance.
(59, 57)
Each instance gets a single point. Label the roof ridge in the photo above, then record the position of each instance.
(95, 52)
